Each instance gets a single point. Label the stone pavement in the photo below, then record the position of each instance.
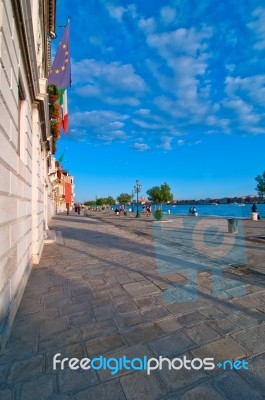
(108, 288)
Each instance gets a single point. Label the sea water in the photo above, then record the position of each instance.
(220, 210)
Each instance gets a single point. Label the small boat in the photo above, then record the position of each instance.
(214, 204)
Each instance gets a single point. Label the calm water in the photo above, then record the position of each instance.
(221, 210)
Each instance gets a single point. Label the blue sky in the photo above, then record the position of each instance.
(165, 91)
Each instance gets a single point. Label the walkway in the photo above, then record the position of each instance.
(111, 290)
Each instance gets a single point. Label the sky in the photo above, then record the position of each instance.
(165, 91)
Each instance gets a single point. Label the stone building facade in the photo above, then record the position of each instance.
(26, 29)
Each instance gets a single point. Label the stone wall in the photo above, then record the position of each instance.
(23, 152)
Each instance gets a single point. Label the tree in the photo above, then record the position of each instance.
(100, 201)
(160, 194)
(261, 184)
(90, 203)
(110, 200)
(124, 198)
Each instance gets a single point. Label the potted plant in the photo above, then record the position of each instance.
(158, 215)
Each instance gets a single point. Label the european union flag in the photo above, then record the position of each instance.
(61, 68)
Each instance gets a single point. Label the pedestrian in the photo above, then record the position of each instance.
(254, 208)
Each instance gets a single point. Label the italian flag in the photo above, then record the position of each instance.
(63, 102)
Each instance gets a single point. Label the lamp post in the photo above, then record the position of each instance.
(137, 189)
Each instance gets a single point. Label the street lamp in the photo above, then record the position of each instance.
(137, 189)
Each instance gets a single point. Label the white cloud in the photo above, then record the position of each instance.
(148, 25)
(251, 86)
(96, 118)
(180, 142)
(116, 12)
(110, 77)
(165, 143)
(258, 26)
(140, 146)
(167, 14)
(145, 125)
(185, 52)
(142, 111)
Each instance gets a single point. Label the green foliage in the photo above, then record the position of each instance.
(110, 200)
(90, 203)
(261, 184)
(124, 198)
(158, 214)
(160, 194)
(101, 201)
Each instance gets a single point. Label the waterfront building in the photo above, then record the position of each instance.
(26, 191)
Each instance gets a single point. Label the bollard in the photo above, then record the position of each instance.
(168, 211)
(254, 216)
(232, 225)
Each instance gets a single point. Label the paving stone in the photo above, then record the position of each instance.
(252, 338)
(139, 386)
(127, 321)
(124, 279)
(70, 336)
(51, 326)
(212, 313)
(85, 298)
(6, 394)
(180, 308)
(201, 392)
(98, 329)
(3, 373)
(18, 351)
(255, 375)
(106, 312)
(39, 388)
(81, 319)
(201, 333)
(242, 320)
(145, 302)
(191, 319)
(234, 387)
(126, 307)
(151, 289)
(155, 313)
(26, 369)
(169, 324)
(222, 349)
(134, 351)
(223, 326)
(182, 378)
(142, 333)
(76, 379)
(110, 391)
(171, 345)
(105, 345)
(24, 328)
(48, 343)
(75, 308)
(68, 351)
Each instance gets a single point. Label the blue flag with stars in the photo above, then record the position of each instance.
(60, 74)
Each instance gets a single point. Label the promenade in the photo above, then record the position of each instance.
(118, 286)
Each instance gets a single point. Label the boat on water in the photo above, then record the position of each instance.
(214, 204)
